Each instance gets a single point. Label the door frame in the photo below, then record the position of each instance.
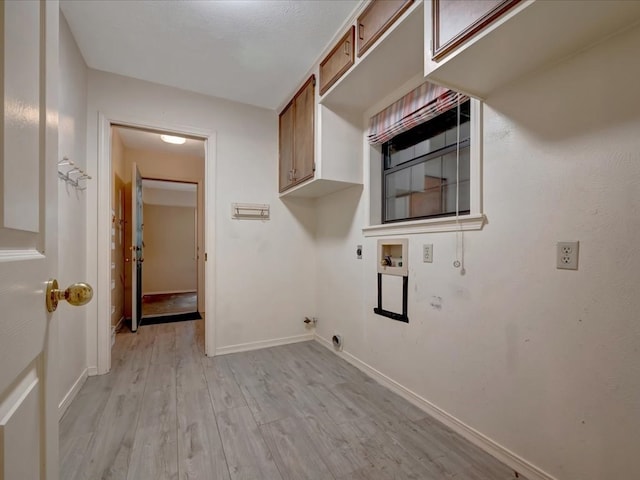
(103, 221)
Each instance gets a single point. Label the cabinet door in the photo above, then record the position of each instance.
(303, 145)
(286, 146)
(455, 21)
(337, 62)
(376, 18)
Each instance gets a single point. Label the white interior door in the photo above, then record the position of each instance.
(28, 243)
(137, 253)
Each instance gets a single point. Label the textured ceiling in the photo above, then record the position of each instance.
(150, 141)
(250, 51)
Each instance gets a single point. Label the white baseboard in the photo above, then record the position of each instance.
(92, 371)
(493, 448)
(169, 292)
(245, 347)
(71, 394)
(114, 329)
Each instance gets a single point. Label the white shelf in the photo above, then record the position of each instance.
(395, 58)
(532, 35)
(316, 187)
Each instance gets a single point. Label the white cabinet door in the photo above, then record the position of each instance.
(28, 240)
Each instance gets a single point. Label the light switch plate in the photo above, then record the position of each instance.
(427, 253)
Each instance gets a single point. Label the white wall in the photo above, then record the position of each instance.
(264, 270)
(71, 209)
(170, 249)
(543, 361)
(170, 198)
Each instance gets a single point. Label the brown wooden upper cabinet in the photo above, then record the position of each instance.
(456, 21)
(376, 19)
(296, 137)
(338, 61)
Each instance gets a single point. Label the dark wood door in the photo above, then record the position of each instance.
(286, 147)
(376, 18)
(338, 61)
(303, 144)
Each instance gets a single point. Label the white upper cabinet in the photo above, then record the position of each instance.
(493, 42)
(390, 57)
(389, 39)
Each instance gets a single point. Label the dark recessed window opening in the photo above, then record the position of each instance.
(422, 176)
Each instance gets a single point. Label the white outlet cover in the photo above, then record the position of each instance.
(567, 255)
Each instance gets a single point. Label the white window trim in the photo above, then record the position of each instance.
(474, 220)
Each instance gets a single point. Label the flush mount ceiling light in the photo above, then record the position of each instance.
(172, 139)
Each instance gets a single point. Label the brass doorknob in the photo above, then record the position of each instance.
(76, 294)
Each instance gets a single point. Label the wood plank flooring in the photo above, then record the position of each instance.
(294, 412)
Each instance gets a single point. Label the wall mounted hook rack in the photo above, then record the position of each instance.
(74, 175)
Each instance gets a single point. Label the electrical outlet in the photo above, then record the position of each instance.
(567, 255)
(427, 253)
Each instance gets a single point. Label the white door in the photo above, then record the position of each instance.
(28, 242)
(137, 252)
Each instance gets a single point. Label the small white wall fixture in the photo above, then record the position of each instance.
(104, 191)
(393, 256)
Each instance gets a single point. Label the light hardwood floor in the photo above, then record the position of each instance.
(294, 412)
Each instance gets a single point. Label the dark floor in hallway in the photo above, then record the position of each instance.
(169, 304)
(293, 412)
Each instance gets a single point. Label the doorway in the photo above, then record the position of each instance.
(100, 230)
(157, 227)
(170, 233)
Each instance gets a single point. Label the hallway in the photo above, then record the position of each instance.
(293, 412)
